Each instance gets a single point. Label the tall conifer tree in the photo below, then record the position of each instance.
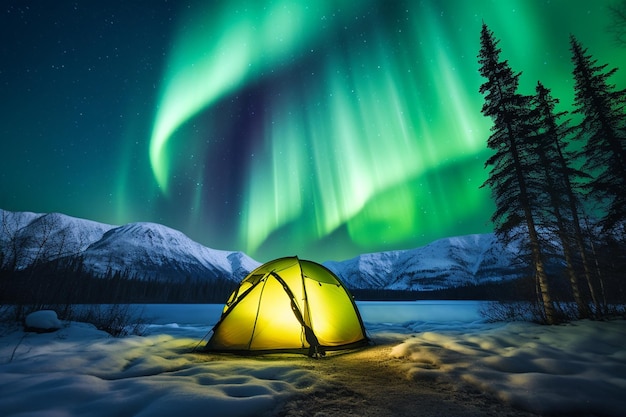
(560, 181)
(603, 130)
(512, 164)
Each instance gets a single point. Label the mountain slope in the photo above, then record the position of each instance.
(142, 250)
(156, 252)
(445, 263)
(28, 238)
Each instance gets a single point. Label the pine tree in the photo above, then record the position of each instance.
(617, 11)
(603, 129)
(512, 177)
(559, 180)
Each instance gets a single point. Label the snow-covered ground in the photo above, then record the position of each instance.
(577, 368)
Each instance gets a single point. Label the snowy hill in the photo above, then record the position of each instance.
(154, 251)
(445, 263)
(144, 250)
(26, 238)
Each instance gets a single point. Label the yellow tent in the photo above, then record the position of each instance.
(289, 304)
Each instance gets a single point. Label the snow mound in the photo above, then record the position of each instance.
(43, 320)
(577, 369)
(81, 371)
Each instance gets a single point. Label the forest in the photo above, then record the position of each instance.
(558, 180)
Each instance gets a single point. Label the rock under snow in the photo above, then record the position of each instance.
(43, 321)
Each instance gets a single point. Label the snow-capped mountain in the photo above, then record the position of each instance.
(26, 238)
(143, 250)
(450, 262)
(154, 251)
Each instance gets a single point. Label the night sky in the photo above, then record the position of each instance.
(322, 129)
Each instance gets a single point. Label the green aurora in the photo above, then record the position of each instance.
(327, 129)
(383, 137)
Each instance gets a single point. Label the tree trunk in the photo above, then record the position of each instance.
(542, 279)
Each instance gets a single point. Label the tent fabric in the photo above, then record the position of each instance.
(289, 304)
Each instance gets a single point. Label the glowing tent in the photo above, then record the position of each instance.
(289, 304)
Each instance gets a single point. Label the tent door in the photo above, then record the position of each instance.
(315, 350)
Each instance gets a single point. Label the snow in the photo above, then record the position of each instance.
(577, 368)
(154, 251)
(34, 237)
(80, 371)
(150, 249)
(43, 320)
(444, 263)
(156, 247)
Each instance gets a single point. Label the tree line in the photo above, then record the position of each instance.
(68, 282)
(46, 270)
(558, 186)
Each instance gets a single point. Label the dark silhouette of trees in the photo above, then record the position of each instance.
(603, 132)
(617, 11)
(574, 216)
(44, 269)
(66, 282)
(513, 180)
(559, 209)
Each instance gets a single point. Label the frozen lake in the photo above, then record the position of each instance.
(395, 312)
(432, 311)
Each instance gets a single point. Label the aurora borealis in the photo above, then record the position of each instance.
(322, 129)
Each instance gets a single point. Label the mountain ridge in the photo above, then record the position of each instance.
(153, 251)
(448, 262)
(142, 249)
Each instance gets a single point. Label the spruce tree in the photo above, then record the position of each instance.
(617, 11)
(603, 131)
(511, 179)
(560, 181)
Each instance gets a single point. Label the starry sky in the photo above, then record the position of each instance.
(322, 129)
